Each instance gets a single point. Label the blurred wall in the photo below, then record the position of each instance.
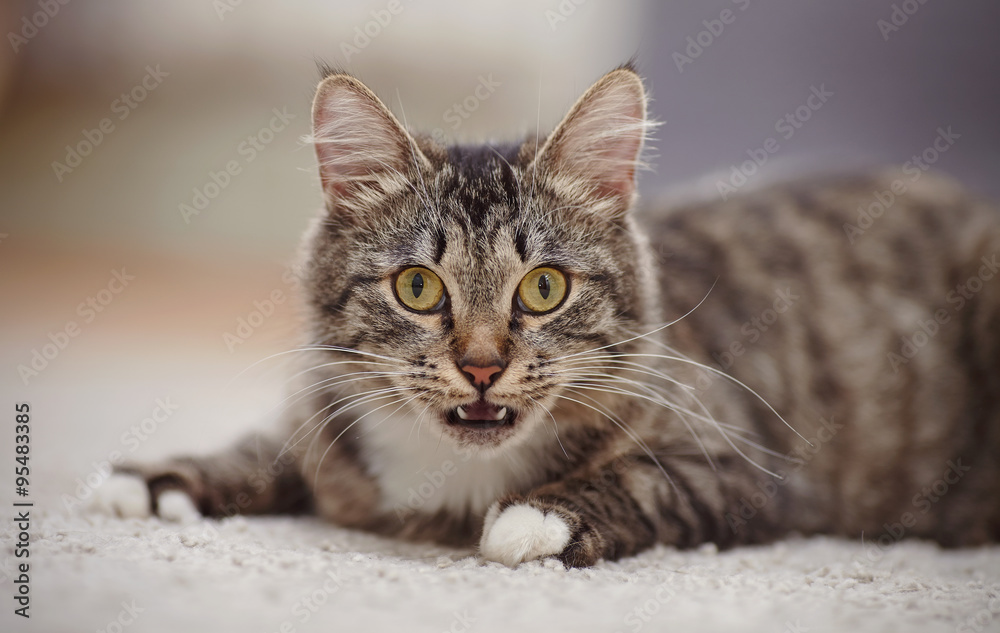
(722, 73)
(225, 66)
(897, 69)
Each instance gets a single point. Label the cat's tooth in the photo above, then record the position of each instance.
(501, 414)
(462, 414)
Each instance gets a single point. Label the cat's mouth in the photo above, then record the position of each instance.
(481, 415)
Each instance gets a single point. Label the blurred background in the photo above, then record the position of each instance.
(153, 185)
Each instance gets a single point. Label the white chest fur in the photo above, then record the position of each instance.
(420, 470)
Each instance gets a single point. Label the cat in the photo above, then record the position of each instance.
(505, 348)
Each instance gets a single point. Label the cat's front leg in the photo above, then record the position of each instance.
(620, 509)
(254, 476)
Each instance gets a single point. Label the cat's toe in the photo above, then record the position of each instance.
(176, 506)
(520, 533)
(125, 496)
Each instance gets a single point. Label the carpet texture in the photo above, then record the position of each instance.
(96, 573)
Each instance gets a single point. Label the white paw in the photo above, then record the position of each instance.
(521, 533)
(176, 506)
(125, 496)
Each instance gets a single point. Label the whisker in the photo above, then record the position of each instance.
(335, 381)
(311, 348)
(708, 417)
(650, 333)
(362, 397)
(661, 400)
(722, 374)
(317, 430)
(340, 362)
(348, 427)
(628, 431)
(423, 194)
(417, 421)
(625, 366)
(725, 436)
(555, 426)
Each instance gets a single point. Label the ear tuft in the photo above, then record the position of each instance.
(362, 149)
(599, 142)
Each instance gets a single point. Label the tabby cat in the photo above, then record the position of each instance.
(502, 349)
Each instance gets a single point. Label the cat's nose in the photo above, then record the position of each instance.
(482, 377)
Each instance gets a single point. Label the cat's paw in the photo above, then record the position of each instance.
(176, 506)
(127, 496)
(124, 496)
(522, 532)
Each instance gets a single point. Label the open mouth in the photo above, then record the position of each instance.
(481, 415)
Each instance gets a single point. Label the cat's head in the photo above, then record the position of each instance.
(480, 279)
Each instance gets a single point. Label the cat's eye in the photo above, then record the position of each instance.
(419, 289)
(542, 290)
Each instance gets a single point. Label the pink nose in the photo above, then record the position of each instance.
(481, 375)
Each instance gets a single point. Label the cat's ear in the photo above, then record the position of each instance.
(596, 149)
(363, 150)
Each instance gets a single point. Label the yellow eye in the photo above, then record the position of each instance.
(542, 290)
(419, 289)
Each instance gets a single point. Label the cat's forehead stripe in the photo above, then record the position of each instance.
(482, 182)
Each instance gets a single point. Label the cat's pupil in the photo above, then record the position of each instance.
(544, 287)
(417, 285)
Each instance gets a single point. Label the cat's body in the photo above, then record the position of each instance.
(591, 380)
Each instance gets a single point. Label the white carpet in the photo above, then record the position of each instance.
(260, 574)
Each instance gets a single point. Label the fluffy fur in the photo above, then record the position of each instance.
(724, 372)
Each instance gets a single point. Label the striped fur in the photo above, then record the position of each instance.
(723, 372)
